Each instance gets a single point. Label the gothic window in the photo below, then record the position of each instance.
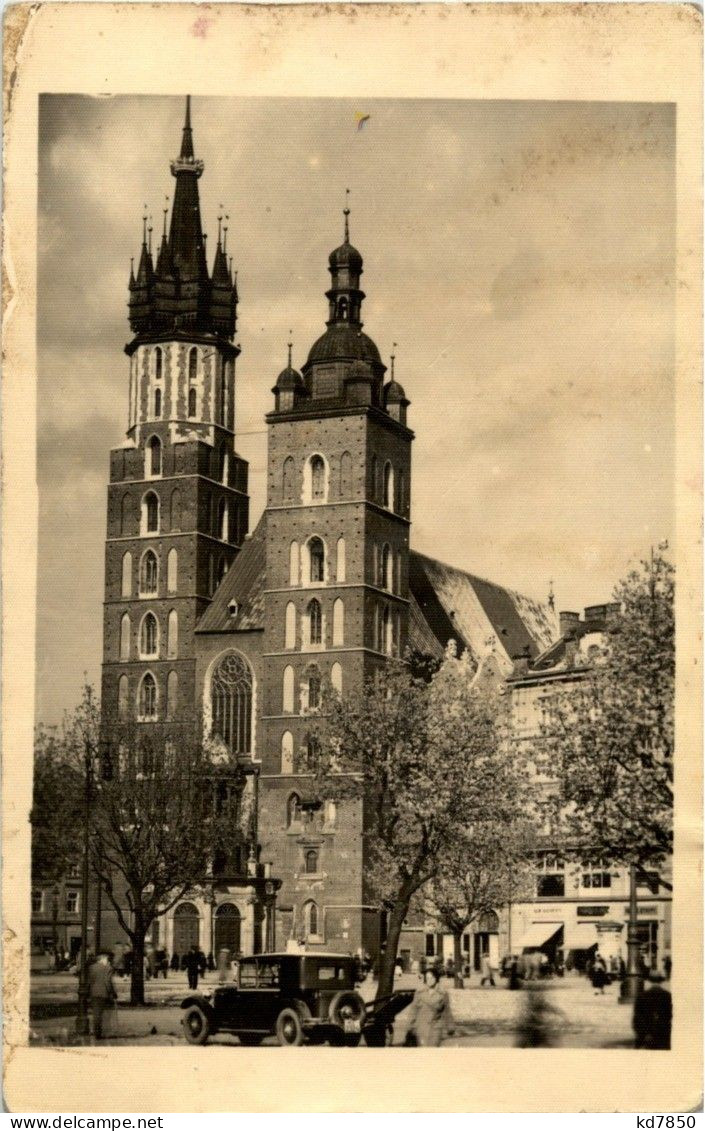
(338, 622)
(340, 560)
(192, 364)
(149, 636)
(342, 309)
(318, 478)
(122, 698)
(175, 508)
(314, 622)
(288, 690)
(294, 563)
(311, 862)
(148, 573)
(147, 701)
(293, 809)
(373, 479)
(313, 753)
(126, 515)
(345, 475)
(150, 513)
(386, 567)
(317, 557)
(310, 915)
(336, 678)
(172, 634)
(157, 403)
(154, 456)
(287, 752)
(290, 626)
(172, 567)
(288, 479)
(221, 404)
(396, 641)
(223, 519)
(388, 485)
(192, 407)
(231, 701)
(224, 465)
(125, 637)
(172, 694)
(158, 363)
(126, 585)
(386, 641)
(314, 689)
(400, 493)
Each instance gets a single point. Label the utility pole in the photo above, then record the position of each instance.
(82, 1023)
(632, 981)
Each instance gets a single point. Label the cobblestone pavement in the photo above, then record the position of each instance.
(483, 1017)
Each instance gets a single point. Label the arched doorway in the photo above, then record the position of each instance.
(486, 939)
(186, 928)
(227, 929)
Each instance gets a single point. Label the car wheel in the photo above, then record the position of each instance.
(250, 1039)
(197, 1027)
(289, 1030)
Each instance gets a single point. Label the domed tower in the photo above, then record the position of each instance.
(177, 500)
(336, 603)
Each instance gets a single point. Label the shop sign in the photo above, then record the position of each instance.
(593, 909)
(547, 911)
(652, 909)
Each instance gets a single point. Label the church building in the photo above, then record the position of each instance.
(243, 630)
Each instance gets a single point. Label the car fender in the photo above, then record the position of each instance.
(204, 1003)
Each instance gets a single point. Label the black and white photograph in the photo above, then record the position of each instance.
(358, 545)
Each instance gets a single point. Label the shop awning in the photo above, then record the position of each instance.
(537, 934)
(580, 937)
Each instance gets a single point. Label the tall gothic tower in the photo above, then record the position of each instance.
(177, 499)
(336, 602)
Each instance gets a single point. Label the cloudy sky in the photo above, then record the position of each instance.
(520, 254)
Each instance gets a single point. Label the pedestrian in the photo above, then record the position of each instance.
(537, 1026)
(192, 964)
(101, 991)
(210, 961)
(487, 971)
(161, 962)
(598, 975)
(514, 974)
(653, 1011)
(223, 964)
(430, 1017)
(202, 962)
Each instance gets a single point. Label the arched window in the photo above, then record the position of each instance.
(175, 508)
(126, 515)
(157, 403)
(345, 475)
(318, 478)
(223, 519)
(310, 913)
(231, 700)
(227, 924)
(329, 813)
(122, 698)
(172, 695)
(386, 641)
(290, 626)
(317, 558)
(150, 513)
(336, 678)
(340, 560)
(314, 622)
(343, 309)
(401, 502)
(192, 363)
(396, 633)
(149, 570)
(314, 689)
(149, 636)
(147, 700)
(172, 570)
(287, 750)
(388, 485)
(338, 622)
(192, 406)
(311, 862)
(172, 634)
(125, 637)
(288, 690)
(158, 363)
(224, 465)
(386, 568)
(293, 809)
(313, 753)
(373, 479)
(186, 928)
(288, 479)
(154, 458)
(126, 583)
(294, 563)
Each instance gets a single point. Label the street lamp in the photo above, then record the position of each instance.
(632, 980)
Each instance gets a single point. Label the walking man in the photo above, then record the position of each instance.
(192, 963)
(101, 991)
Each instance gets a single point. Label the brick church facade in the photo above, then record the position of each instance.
(243, 631)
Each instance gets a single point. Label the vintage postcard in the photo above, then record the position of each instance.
(351, 558)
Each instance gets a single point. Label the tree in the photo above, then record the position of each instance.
(426, 759)
(610, 730)
(488, 865)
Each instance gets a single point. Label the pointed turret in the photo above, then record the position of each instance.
(186, 233)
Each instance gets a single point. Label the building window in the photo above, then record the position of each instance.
(37, 902)
(314, 622)
(192, 406)
(288, 690)
(172, 634)
(72, 902)
(385, 644)
(172, 695)
(172, 570)
(154, 456)
(340, 560)
(386, 568)
(192, 363)
(311, 862)
(336, 678)
(224, 465)
(318, 478)
(122, 698)
(345, 475)
(293, 810)
(157, 403)
(400, 493)
(310, 913)
(290, 625)
(231, 700)
(149, 570)
(125, 637)
(223, 520)
(158, 363)
(317, 559)
(150, 513)
(338, 622)
(550, 878)
(287, 753)
(313, 753)
(294, 563)
(330, 812)
(314, 689)
(149, 637)
(596, 874)
(126, 585)
(388, 485)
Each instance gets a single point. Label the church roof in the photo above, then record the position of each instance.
(344, 342)
(445, 604)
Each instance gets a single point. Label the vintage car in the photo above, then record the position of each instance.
(299, 998)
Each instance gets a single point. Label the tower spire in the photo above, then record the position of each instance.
(289, 345)
(392, 358)
(346, 214)
(187, 136)
(186, 234)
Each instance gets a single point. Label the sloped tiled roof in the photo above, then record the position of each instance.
(244, 583)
